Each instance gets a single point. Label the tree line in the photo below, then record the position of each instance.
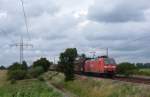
(143, 65)
(18, 71)
(66, 65)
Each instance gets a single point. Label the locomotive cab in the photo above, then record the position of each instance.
(109, 65)
(101, 65)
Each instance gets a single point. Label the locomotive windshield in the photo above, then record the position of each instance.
(109, 61)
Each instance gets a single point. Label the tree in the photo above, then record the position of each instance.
(16, 71)
(15, 66)
(2, 67)
(16, 74)
(43, 62)
(66, 63)
(83, 56)
(140, 65)
(126, 68)
(36, 71)
(147, 65)
(24, 65)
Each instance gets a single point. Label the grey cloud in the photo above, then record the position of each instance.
(126, 41)
(53, 27)
(34, 8)
(118, 10)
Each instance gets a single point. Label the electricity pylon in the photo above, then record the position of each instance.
(22, 45)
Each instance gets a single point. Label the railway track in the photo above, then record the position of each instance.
(133, 79)
(139, 80)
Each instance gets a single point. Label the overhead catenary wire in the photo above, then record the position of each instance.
(27, 26)
(129, 43)
(139, 38)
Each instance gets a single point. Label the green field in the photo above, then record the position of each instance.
(89, 87)
(145, 72)
(25, 88)
(81, 87)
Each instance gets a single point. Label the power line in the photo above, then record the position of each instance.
(128, 42)
(140, 38)
(25, 19)
(22, 45)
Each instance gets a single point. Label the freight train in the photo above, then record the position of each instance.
(102, 65)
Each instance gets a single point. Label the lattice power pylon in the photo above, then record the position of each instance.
(22, 45)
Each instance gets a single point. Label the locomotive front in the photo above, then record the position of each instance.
(109, 65)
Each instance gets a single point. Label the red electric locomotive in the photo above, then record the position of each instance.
(99, 65)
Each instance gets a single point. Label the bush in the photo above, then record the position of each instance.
(16, 74)
(126, 69)
(15, 66)
(43, 62)
(40, 78)
(36, 71)
(13, 81)
(2, 67)
(24, 65)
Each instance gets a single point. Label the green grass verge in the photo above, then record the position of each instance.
(145, 72)
(25, 88)
(89, 87)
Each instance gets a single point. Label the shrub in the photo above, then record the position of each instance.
(36, 71)
(40, 78)
(2, 67)
(43, 62)
(16, 74)
(15, 66)
(24, 65)
(16, 71)
(126, 69)
(12, 81)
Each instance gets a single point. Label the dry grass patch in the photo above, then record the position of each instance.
(89, 87)
(3, 77)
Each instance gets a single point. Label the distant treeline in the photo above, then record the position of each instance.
(139, 65)
(143, 65)
(2, 67)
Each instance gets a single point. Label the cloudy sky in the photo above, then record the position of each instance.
(89, 25)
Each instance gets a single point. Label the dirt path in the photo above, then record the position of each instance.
(56, 87)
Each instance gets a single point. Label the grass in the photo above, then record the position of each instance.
(145, 72)
(3, 77)
(25, 88)
(81, 87)
(89, 87)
